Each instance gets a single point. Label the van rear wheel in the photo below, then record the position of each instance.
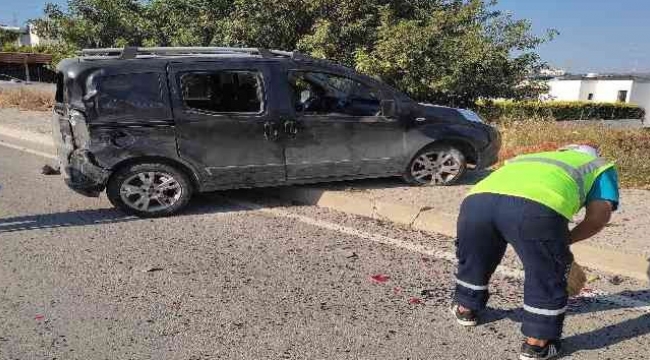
(149, 190)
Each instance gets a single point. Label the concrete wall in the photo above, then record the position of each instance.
(607, 90)
(641, 95)
(603, 90)
(29, 37)
(565, 90)
(588, 87)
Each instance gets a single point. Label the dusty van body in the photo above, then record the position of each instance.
(152, 127)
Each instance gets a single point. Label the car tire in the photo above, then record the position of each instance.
(149, 190)
(436, 165)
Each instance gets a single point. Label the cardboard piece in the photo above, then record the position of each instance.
(577, 280)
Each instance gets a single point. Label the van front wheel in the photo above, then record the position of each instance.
(436, 165)
(149, 190)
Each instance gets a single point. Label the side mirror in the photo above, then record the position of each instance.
(388, 108)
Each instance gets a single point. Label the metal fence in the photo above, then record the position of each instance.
(37, 72)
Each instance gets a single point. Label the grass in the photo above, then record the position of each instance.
(628, 148)
(25, 98)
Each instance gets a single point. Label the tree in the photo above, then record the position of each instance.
(455, 54)
(8, 37)
(444, 51)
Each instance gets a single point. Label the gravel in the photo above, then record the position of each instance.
(35, 121)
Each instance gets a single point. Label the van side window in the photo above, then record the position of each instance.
(317, 93)
(223, 91)
(131, 95)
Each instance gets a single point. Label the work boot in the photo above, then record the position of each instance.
(533, 352)
(465, 317)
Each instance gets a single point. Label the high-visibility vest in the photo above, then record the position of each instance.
(561, 180)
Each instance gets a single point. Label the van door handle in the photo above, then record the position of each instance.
(291, 128)
(271, 132)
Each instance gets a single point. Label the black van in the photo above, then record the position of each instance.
(152, 126)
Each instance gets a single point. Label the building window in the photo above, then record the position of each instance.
(590, 97)
(225, 91)
(622, 96)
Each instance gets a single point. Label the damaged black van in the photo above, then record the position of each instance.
(153, 126)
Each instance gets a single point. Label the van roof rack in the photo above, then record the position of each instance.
(130, 52)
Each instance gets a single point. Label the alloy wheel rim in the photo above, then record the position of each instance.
(150, 191)
(435, 167)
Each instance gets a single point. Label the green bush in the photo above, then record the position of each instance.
(498, 111)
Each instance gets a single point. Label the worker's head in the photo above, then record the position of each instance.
(587, 149)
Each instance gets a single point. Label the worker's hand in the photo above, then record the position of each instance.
(599, 213)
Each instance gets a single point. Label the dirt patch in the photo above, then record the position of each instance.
(27, 98)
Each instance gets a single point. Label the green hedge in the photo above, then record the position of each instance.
(557, 110)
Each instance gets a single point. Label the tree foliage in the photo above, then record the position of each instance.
(8, 37)
(444, 51)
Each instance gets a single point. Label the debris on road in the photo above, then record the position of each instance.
(585, 297)
(353, 256)
(152, 269)
(415, 301)
(50, 170)
(616, 280)
(380, 278)
(593, 278)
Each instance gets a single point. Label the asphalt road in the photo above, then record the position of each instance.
(233, 280)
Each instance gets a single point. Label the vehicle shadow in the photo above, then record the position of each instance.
(600, 338)
(63, 219)
(473, 177)
(212, 203)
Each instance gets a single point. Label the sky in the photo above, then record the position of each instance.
(595, 35)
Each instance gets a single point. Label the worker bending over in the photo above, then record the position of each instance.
(528, 204)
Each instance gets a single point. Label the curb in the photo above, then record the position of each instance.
(433, 221)
(417, 218)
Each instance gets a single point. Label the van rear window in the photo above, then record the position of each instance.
(131, 96)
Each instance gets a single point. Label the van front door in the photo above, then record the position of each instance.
(339, 130)
(227, 125)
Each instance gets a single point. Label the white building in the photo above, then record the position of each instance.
(27, 37)
(552, 72)
(601, 88)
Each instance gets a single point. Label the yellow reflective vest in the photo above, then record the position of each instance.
(560, 180)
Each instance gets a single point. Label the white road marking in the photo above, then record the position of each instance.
(618, 300)
(27, 150)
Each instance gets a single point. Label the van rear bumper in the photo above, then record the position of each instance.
(83, 176)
